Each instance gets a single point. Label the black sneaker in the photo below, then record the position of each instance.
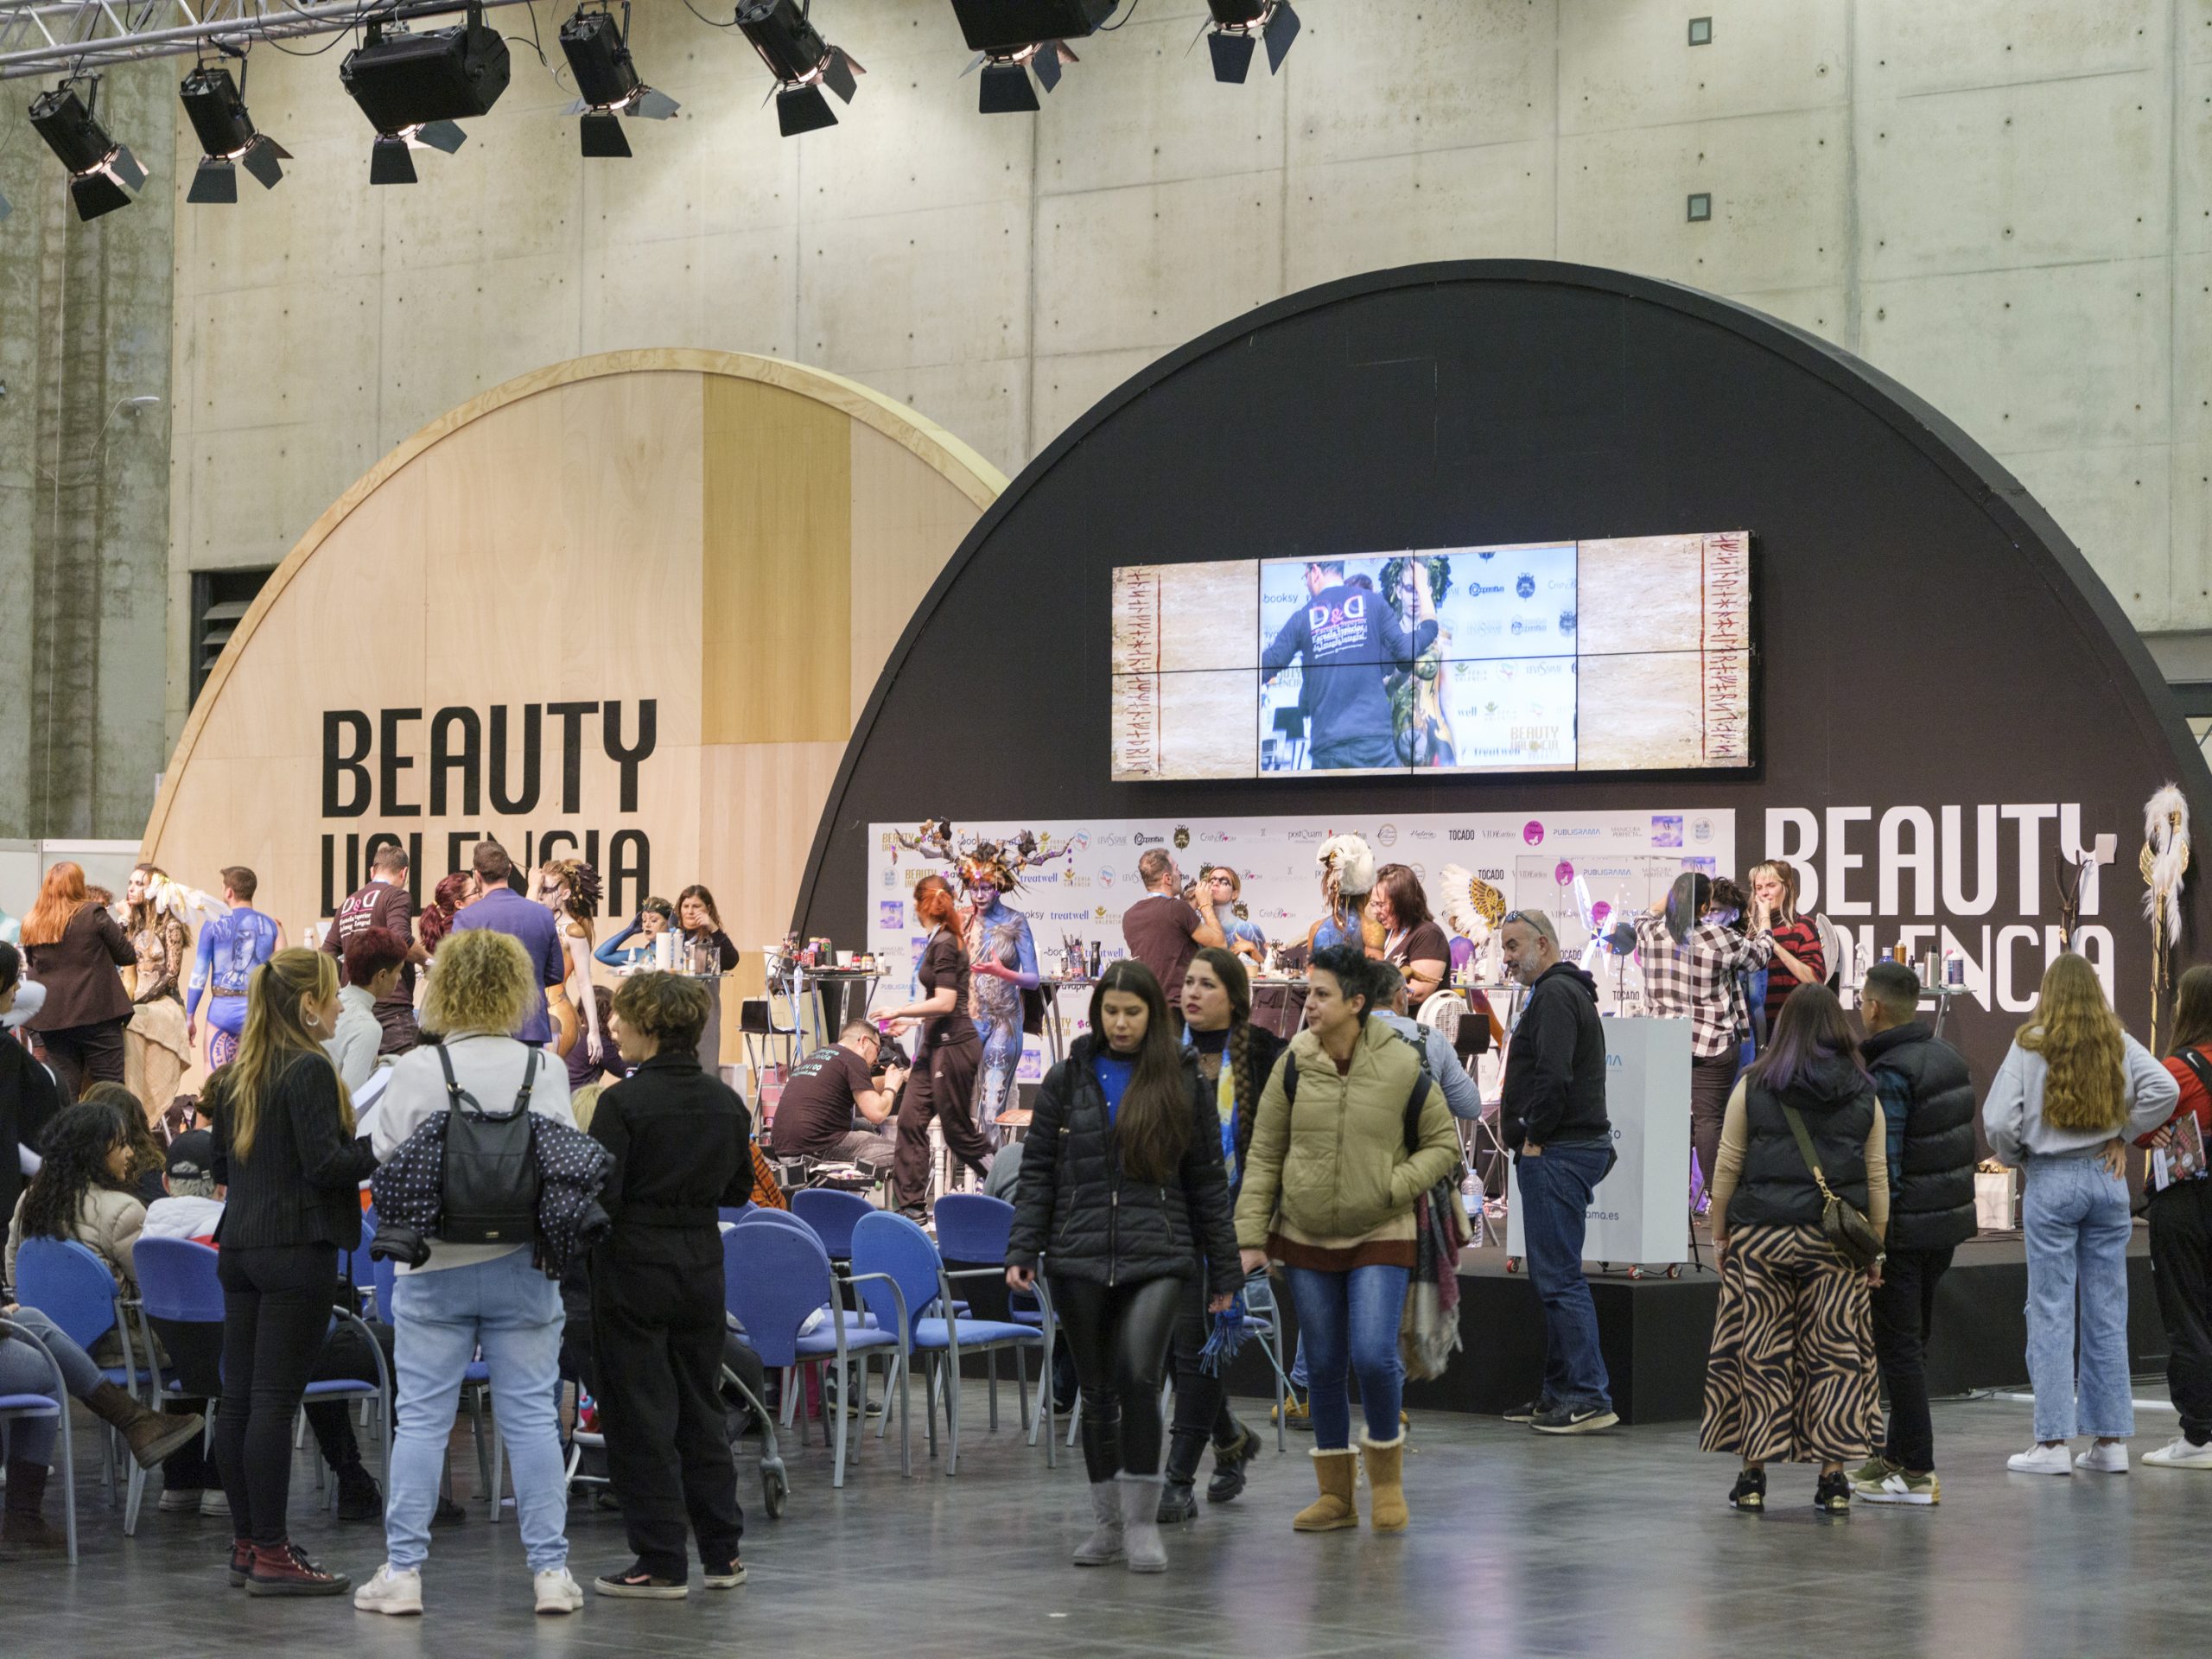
(1529, 1412)
(636, 1582)
(725, 1575)
(1749, 1493)
(1574, 1420)
(447, 1514)
(1832, 1495)
(358, 1496)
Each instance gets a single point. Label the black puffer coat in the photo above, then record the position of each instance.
(1077, 1208)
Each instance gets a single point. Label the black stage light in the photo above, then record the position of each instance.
(783, 32)
(1238, 25)
(608, 87)
(1014, 36)
(102, 173)
(216, 106)
(414, 87)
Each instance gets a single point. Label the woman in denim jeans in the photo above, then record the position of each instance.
(472, 1296)
(2073, 1083)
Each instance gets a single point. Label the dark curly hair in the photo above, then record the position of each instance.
(75, 1149)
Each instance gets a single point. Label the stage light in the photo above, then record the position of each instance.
(102, 173)
(414, 87)
(216, 106)
(1238, 25)
(1014, 36)
(598, 51)
(783, 32)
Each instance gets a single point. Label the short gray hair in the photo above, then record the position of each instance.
(1537, 922)
(1388, 982)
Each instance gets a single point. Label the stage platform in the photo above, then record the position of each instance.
(1655, 1332)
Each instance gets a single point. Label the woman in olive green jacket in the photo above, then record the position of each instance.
(1329, 1191)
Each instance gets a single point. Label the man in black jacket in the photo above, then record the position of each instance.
(1928, 1109)
(1553, 1113)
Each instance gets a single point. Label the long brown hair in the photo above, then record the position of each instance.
(1237, 984)
(274, 1036)
(2193, 1009)
(1152, 1127)
(2082, 1042)
(60, 896)
(147, 1156)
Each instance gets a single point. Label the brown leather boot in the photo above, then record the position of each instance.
(284, 1570)
(23, 1527)
(151, 1435)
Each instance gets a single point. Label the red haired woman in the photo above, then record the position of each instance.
(74, 949)
(946, 1055)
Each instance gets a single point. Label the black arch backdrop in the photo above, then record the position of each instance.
(1946, 692)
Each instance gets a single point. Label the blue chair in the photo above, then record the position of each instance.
(67, 1282)
(975, 1227)
(893, 1252)
(56, 1404)
(776, 1278)
(737, 1213)
(833, 1214)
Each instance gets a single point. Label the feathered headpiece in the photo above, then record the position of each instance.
(974, 859)
(1472, 906)
(1347, 866)
(2165, 856)
(582, 881)
(187, 905)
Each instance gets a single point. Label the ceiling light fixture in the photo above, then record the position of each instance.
(216, 106)
(608, 87)
(103, 175)
(783, 32)
(1012, 37)
(1239, 25)
(414, 87)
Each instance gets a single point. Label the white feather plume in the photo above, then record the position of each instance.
(2165, 835)
(1349, 864)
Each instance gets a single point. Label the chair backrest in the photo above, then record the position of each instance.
(892, 1245)
(736, 1212)
(764, 1216)
(177, 1282)
(774, 1277)
(974, 1227)
(384, 1273)
(359, 1272)
(66, 1281)
(833, 1214)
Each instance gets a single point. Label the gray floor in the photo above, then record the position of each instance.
(1618, 1544)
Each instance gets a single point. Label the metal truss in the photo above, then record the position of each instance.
(59, 37)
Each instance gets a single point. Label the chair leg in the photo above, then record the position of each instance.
(1022, 1384)
(134, 1495)
(844, 1386)
(928, 1403)
(500, 1470)
(69, 1485)
(1075, 1417)
(991, 1359)
(952, 1410)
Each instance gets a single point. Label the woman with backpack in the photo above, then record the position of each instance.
(1124, 1204)
(1791, 1372)
(468, 1296)
(1350, 1133)
(285, 1150)
(2072, 1083)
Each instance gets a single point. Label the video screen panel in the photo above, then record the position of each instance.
(1629, 655)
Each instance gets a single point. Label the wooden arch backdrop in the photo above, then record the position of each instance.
(735, 541)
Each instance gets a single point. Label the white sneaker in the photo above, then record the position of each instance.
(2181, 1455)
(215, 1501)
(557, 1592)
(183, 1500)
(2102, 1459)
(2041, 1460)
(397, 1591)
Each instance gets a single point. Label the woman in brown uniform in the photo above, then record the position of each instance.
(946, 1056)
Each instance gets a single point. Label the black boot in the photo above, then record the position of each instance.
(1178, 1502)
(1229, 1463)
(24, 1527)
(358, 1499)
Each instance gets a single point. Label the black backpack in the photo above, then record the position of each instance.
(491, 1182)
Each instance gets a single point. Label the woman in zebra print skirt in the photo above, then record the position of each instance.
(1791, 1373)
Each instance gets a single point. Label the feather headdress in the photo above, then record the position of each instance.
(1000, 863)
(1472, 906)
(1348, 867)
(2165, 856)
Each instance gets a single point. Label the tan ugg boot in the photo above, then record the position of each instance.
(1386, 1485)
(1337, 1470)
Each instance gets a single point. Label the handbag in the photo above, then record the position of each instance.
(1849, 1234)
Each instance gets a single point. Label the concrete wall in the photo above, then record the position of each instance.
(2007, 207)
(84, 326)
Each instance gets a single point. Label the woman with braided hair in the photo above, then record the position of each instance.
(1236, 1058)
(570, 889)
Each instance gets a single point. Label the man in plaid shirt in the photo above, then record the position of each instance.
(1696, 976)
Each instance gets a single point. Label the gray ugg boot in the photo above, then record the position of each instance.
(1140, 1524)
(1104, 1544)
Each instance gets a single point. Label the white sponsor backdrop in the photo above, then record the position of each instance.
(1623, 861)
(1640, 1212)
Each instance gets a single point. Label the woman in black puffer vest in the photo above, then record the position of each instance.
(1124, 1200)
(1791, 1372)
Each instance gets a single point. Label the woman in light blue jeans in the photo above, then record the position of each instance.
(471, 1297)
(2072, 1087)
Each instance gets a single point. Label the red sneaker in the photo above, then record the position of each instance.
(241, 1561)
(284, 1570)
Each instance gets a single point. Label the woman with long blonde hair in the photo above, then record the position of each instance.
(2073, 1084)
(72, 947)
(285, 1149)
(570, 889)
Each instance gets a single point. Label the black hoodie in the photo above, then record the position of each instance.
(1555, 1066)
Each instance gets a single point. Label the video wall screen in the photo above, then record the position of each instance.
(1630, 654)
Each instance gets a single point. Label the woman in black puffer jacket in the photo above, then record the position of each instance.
(1124, 1197)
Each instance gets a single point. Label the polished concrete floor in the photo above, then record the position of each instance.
(1618, 1544)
